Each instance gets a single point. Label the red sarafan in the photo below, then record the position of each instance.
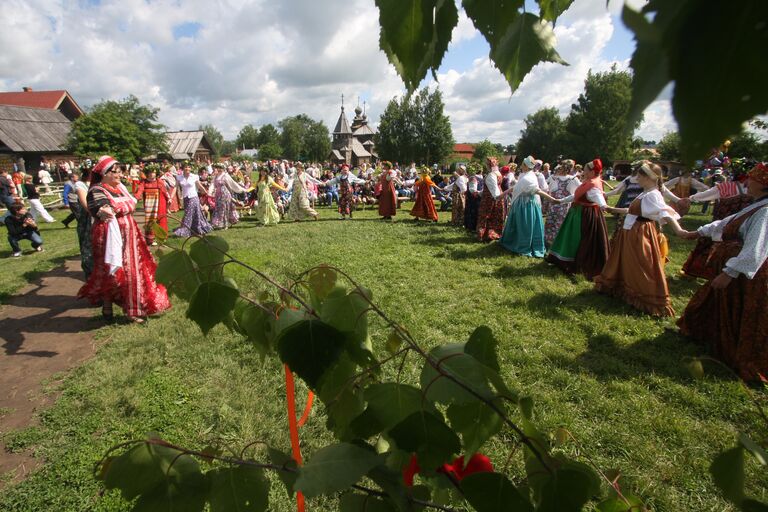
(478, 463)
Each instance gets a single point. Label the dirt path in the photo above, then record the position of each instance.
(44, 331)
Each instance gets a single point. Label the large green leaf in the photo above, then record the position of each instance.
(209, 250)
(322, 280)
(454, 362)
(569, 488)
(493, 492)
(526, 42)
(309, 348)
(718, 85)
(482, 346)
(342, 397)
(476, 422)
(728, 472)
(615, 504)
(258, 326)
(177, 272)
(552, 9)
(363, 503)
(284, 460)
(335, 468)
(346, 312)
(238, 489)
(388, 404)
(492, 19)
(288, 317)
(415, 35)
(426, 434)
(174, 497)
(211, 303)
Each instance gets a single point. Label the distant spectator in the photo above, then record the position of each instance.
(21, 226)
(7, 189)
(69, 188)
(38, 210)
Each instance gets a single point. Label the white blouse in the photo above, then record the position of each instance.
(542, 182)
(492, 184)
(573, 182)
(188, 185)
(527, 185)
(460, 183)
(350, 177)
(754, 233)
(712, 194)
(472, 184)
(652, 207)
(594, 195)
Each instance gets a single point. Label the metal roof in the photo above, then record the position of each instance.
(27, 129)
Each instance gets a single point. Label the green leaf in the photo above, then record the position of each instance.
(209, 251)
(569, 488)
(159, 231)
(388, 404)
(728, 472)
(343, 399)
(482, 346)
(552, 9)
(363, 503)
(695, 368)
(755, 449)
(394, 342)
(476, 422)
(173, 497)
(493, 492)
(288, 317)
(710, 110)
(288, 478)
(346, 312)
(309, 348)
(335, 468)
(750, 505)
(258, 326)
(428, 436)
(322, 280)
(615, 504)
(415, 35)
(526, 407)
(211, 303)
(458, 365)
(177, 272)
(391, 482)
(238, 489)
(492, 18)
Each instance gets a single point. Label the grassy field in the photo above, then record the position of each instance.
(612, 376)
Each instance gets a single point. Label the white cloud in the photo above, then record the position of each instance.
(254, 61)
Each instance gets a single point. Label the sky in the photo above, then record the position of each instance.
(234, 62)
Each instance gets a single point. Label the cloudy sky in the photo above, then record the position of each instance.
(234, 62)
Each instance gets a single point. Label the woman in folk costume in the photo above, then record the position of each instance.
(581, 244)
(634, 271)
(78, 205)
(155, 195)
(222, 187)
(458, 190)
(681, 186)
(731, 197)
(524, 229)
(169, 179)
(561, 184)
(345, 182)
(629, 188)
(124, 271)
(424, 203)
(194, 222)
(730, 313)
(474, 192)
(492, 211)
(388, 195)
(266, 209)
(299, 208)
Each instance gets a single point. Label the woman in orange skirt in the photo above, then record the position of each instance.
(424, 204)
(634, 271)
(730, 313)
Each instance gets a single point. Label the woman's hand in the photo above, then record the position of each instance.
(688, 235)
(105, 213)
(721, 281)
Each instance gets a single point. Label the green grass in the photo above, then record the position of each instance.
(610, 375)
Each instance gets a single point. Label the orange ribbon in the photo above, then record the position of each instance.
(293, 424)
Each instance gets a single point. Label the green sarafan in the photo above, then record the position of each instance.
(718, 82)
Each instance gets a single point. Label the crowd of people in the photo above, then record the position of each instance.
(556, 212)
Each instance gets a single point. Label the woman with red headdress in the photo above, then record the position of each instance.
(581, 245)
(424, 203)
(730, 313)
(388, 195)
(123, 268)
(634, 271)
(493, 205)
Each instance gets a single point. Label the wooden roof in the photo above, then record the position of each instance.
(183, 145)
(33, 130)
(342, 126)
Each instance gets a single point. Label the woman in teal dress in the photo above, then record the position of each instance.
(524, 229)
(266, 210)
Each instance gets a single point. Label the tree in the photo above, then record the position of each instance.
(748, 145)
(304, 138)
(228, 147)
(669, 146)
(543, 135)
(248, 137)
(415, 129)
(270, 150)
(484, 150)
(125, 129)
(268, 134)
(215, 136)
(595, 125)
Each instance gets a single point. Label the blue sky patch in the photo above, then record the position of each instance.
(187, 29)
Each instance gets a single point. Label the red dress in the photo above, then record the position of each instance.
(424, 206)
(132, 286)
(388, 197)
(492, 214)
(155, 196)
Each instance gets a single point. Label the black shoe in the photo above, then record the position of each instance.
(66, 224)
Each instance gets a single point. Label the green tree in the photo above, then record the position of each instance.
(304, 138)
(248, 138)
(317, 141)
(484, 150)
(747, 144)
(215, 136)
(125, 129)
(669, 146)
(595, 126)
(415, 129)
(543, 135)
(227, 147)
(268, 134)
(269, 151)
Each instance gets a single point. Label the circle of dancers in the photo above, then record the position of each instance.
(530, 209)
